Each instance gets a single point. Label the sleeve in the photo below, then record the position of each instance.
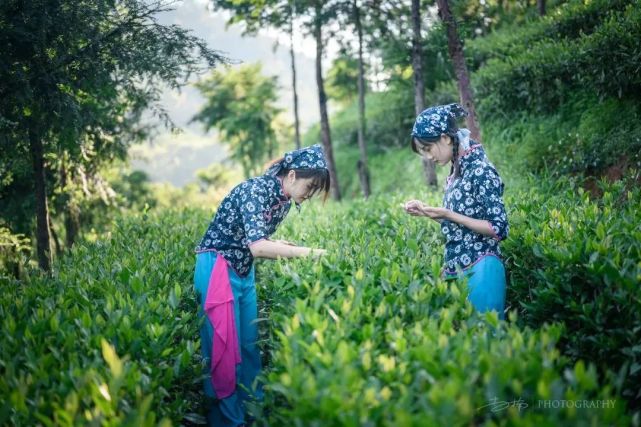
(488, 189)
(254, 204)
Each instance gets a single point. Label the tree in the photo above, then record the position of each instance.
(455, 48)
(348, 73)
(81, 71)
(294, 86)
(363, 171)
(215, 175)
(419, 83)
(313, 14)
(279, 14)
(241, 106)
(342, 78)
(320, 13)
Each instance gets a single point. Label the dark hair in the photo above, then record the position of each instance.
(320, 179)
(452, 130)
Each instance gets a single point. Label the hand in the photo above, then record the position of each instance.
(413, 207)
(418, 208)
(317, 253)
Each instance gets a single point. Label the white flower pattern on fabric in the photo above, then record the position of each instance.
(483, 189)
(434, 120)
(251, 211)
(311, 157)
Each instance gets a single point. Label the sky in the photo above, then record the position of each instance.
(174, 158)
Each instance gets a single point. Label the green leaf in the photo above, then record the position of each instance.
(112, 359)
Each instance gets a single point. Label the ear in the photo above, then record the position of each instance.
(292, 175)
(448, 139)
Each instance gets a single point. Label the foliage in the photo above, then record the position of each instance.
(257, 14)
(241, 106)
(571, 20)
(356, 338)
(77, 77)
(370, 334)
(539, 75)
(393, 43)
(578, 261)
(342, 78)
(110, 338)
(216, 175)
(366, 338)
(14, 249)
(586, 136)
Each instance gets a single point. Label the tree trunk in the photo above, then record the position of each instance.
(455, 48)
(72, 224)
(326, 136)
(429, 169)
(291, 52)
(43, 237)
(541, 6)
(270, 148)
(54, 237)
(72, 214)
(363, 171)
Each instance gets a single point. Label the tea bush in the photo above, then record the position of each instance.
(570, 20)
(584, 137)
(372, 336)
(369, 335)
(110, 337)
(539, 75)
(578, 261)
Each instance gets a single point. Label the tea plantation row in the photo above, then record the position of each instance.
(369, 335)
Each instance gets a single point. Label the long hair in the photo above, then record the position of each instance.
(452, 130)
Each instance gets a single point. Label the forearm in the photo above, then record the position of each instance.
(480, 226)
(273, 250)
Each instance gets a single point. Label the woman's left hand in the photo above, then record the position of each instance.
(418, 208)
(284, 242)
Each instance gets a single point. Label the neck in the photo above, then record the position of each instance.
(282, 185)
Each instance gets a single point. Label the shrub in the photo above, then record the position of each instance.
(111, 337)
(578, 261)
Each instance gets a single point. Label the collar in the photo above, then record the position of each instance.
(469, 150)
(466, 145)
(282, 187)
(464, 139)
(287, 196)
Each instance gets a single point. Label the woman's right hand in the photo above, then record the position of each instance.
(413, 207)
(317, 253)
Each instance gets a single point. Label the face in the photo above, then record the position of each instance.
(440, 152)
(299, 189)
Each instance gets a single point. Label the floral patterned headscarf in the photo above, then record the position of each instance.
(435, 121)
(311, 157)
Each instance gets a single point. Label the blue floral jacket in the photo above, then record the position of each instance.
(478, 193)
(250, 212)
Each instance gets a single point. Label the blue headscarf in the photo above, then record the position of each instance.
(435, 121)
(311, 157)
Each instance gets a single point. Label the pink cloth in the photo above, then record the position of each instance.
(219, 307)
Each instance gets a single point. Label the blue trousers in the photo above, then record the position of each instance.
(230, 411)
(486, 283)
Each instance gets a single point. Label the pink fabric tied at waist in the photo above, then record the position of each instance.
(219, 307)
